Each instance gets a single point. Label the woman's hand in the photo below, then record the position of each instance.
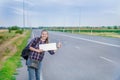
(39, 50)
(36, 50)
(59, 45)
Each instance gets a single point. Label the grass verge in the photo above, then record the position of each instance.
(9, 67)
(104, 34)
(6, 35)
(115, 33)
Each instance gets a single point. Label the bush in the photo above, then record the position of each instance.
(19, 31)
(1, 37)
(15, 28)
(9, 30)
(12, 28)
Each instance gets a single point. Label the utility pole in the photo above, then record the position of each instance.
(91, 30)
(23, 14)
(64, 24)
(79, 27)
(79, 21)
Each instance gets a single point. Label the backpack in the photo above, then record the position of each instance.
(26, 51)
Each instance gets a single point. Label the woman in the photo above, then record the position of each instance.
(37, 55)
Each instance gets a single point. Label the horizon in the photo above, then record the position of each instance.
(61, 26)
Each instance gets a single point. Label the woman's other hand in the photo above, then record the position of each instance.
(59, 45)
(39, 50)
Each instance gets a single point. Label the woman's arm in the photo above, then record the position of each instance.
(52, 51)
(36, 50)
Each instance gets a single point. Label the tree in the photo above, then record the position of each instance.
(109, 27)
(115, 27)
(9, 30)
(14, 28)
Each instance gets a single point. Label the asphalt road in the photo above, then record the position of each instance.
(81, 57)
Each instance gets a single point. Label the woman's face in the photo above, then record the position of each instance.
(44, 35)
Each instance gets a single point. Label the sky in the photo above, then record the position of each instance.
(60, 13)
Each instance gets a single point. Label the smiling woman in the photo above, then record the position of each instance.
(36, 56)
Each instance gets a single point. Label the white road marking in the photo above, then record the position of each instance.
(109, 60)
(41, 76)
(103, 43)
(77, 47)
(33, 35)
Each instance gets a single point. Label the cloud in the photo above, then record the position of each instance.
(63, 12)
(19, 11)
(78, 2)
(26, 2)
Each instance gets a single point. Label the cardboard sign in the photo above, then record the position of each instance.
(49, 46)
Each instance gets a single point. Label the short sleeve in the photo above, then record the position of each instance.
(51, 52)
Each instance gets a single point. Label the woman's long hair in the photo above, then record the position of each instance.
(47, 40)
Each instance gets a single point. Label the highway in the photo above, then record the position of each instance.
(81, 57)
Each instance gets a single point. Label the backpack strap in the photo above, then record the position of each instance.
(34, 41)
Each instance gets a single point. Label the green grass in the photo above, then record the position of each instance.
(98, 32)
(9, 67)
(89, 30)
